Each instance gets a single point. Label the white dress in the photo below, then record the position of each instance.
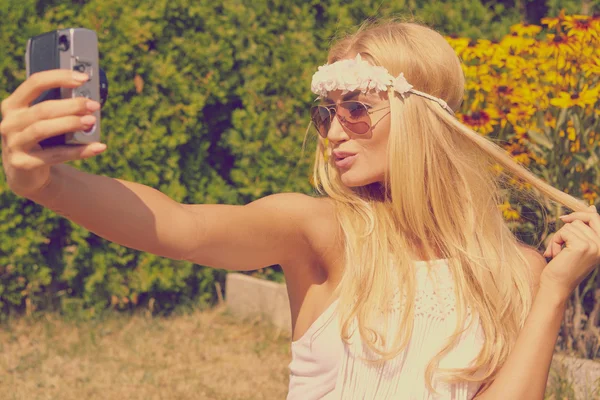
(324, 367)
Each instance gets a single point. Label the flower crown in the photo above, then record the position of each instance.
(358, 74)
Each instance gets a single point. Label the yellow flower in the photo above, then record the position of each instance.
(575, 147)
(478, 49)
(482, 121)
(581, 27)
(591, 67)
(590, 192)
(519, 153)
(550, 120)
(552, 22)
(525, 29)
(586, 97)
(520, 113)
(508, 212)
(560, 44)
(571, 134)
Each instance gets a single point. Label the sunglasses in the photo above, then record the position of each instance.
(354, 116)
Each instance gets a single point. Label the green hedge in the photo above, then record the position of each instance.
(208, 103)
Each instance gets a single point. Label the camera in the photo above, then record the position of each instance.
(74, 49)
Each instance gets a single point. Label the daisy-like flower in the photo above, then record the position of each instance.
(554, 22)
(482, 121)
(559, 44)
(508, 212)
(583, 98)
(525, 29)
(591, 66)
(519, 153)
(478, 49)
(590, 192)
(580, 26)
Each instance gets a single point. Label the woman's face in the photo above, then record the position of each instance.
(370, 162)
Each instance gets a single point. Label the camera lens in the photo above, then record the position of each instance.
(79, 67)
(63, 43)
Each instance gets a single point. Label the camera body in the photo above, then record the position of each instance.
(74, 49)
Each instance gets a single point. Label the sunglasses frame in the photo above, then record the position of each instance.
(366, 106)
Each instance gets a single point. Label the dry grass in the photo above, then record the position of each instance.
(202, 355)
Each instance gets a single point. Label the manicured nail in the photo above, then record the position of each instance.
(98, 148)
(88, 120)
(92, 105)
(562, 216)
(81, 77)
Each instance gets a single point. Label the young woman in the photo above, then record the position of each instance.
(404, 281)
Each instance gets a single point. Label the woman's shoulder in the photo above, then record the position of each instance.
(535, 260)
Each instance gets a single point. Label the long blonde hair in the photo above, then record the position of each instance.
(441, 194)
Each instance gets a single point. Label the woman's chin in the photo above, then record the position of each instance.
(351, 180)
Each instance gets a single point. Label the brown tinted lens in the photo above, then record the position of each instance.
(354, 116)
(321, 118)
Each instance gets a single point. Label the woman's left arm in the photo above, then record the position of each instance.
(524, 375)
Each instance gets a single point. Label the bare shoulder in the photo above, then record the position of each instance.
(316, 220)
(535, 259)
(313, 216)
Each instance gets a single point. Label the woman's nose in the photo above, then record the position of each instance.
(336, 132)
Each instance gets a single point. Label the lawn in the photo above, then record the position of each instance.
(201, 355)
(208, 354)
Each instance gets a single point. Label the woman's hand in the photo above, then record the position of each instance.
(581, 254)
(26, 165)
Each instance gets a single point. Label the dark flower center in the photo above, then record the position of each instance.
(559, 39)
(582, 24)
(575, 96)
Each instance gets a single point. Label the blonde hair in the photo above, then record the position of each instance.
(442, 194)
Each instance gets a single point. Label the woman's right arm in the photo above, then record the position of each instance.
(268, 231)
(272, 230)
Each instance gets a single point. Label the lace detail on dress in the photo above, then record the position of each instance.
(434, 296)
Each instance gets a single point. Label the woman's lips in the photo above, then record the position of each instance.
(346, 161)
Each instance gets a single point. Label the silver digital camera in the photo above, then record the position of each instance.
(74, 49)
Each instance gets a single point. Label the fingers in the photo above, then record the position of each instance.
(58, 155)
(41, 130)
(38, 83)
(48, 110)
(567, 233)
(577, 230)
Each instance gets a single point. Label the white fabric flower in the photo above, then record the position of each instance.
(350, 75)
(358, 74)
(401, 85)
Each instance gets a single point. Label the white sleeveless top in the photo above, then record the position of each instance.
(324, 367)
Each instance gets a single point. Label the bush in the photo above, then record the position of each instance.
(209, 104)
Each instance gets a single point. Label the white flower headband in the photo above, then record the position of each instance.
(357, 74)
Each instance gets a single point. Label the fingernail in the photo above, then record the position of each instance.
(88, 120)
(98, 148)
(562, 216)
(81, 77)
(92, 105)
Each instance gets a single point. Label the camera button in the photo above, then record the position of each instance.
(84, 93)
